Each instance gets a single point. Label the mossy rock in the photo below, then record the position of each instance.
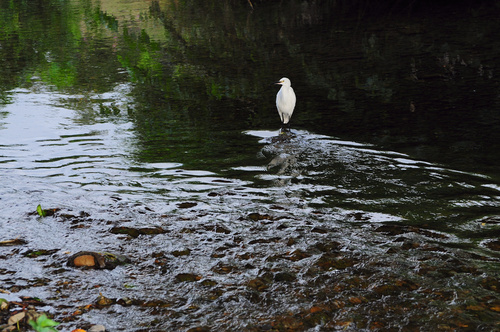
(97, 260)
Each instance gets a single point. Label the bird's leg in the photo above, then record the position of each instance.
(285, 128)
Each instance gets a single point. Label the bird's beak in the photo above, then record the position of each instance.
(279, 83)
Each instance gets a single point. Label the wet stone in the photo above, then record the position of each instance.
(13, 242)
(394, 230)
(217, 229)
(199, 329)
(162, 262)
(40, 252)
(135, 232)
(97, 260)
(187, 277)
(386, 290)
(495, 220)
(258, 216)
(158, 255)
(245, 256)
(186, 205)
(288, 323)
(330, 246)
(87, 259)
(208, 282)
(152, 231)
(258, 284)
(358, 216)
(103, 301)
(427, 247)
(357, 300)
(155, 304)
(329, 262)
(316, 317)
(425, 232)
(269, 240)
(274, 258)
(214, 294)
(224, 268)
(125, 301)
(494, 245)
(391, 229)
(400, 239)
(297, 255)
(491, 283)
(285, 277)
(319, 230)
(222, 181)
(265, 327)
(249, 266)
(410, 245)
(97, 328)
(495, 307)
(178, 253)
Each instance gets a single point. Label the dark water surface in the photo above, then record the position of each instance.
(379, 211)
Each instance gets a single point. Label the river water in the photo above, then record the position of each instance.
(151, 128)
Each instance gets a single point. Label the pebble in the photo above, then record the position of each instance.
(97, 328)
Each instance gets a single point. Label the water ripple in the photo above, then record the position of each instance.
(310, 215)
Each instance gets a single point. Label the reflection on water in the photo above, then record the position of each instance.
(378, 211)
(311, 221)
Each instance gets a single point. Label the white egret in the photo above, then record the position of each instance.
(285, 100)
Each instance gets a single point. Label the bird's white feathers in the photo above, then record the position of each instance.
(285, 100)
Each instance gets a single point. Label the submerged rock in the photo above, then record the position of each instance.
(258, 284)
(103, 301)
(184, 252)
(97, 260)
(135, 232)
(186, 205)
(97, 328)
(187, 277)
(13, 242)
(494, 245)
(285, 277)
(258, 216)
(199, 329)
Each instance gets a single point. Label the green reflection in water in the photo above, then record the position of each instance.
(421, 84)
(63, 43)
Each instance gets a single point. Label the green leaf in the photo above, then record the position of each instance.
(43, 324)
(40, 211)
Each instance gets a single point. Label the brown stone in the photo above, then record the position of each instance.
(84, 260)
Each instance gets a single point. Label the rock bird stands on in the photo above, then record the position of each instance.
(285, 100)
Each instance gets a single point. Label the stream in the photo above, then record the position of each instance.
(137, 126)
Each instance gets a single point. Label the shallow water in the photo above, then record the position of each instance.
(323, 228)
